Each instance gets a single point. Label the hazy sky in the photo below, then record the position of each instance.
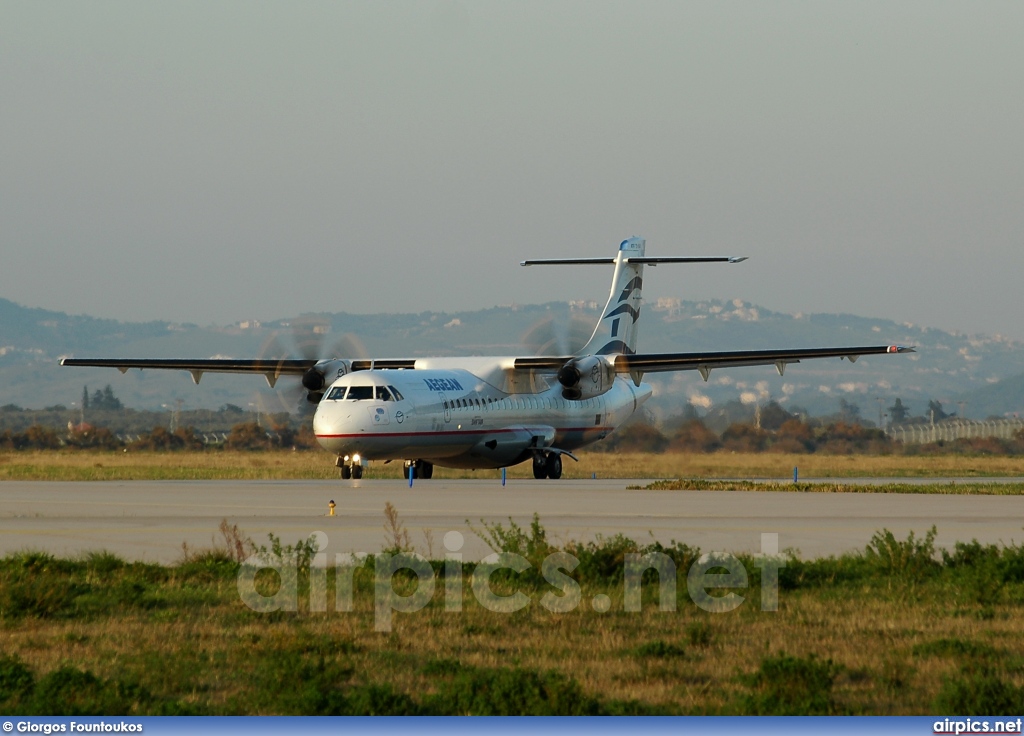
(216, 161)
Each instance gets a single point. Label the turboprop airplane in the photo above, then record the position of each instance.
(493, 412)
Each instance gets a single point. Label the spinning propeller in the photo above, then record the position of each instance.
(309, 338)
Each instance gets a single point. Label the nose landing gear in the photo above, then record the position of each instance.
(351, 467)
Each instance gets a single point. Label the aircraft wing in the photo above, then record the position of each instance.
(271, 369)
(705, 362)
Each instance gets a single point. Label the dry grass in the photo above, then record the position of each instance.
(284, 464)
(871, 635)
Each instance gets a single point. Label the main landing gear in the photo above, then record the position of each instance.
(420, 469)
(548, 465)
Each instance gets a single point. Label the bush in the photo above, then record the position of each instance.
(510, 692)
(978, 693)
(694, 436)
(791, 686)
(794, 436)
(659, 649)
(73, 692)
(844, 438)
(36, 437)
(159, 438)
(249, 436)
(634, 437)
(744, 438)
(912, 559)
(16, 682)
(602, 560)
(88, 437)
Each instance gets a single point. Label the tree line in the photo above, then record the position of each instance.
(779, 431)
(244, 436)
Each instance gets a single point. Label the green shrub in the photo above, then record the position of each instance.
(911, 559)
(791, 686)
(699, 633)
(16, 682)
(103, 562)
(955, 648)
(659, 649)
(978, 692)
(73, 692)
(45, 597)
(602, 560)
(507, 692)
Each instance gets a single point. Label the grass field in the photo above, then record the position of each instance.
(893, 630)
(271, 465)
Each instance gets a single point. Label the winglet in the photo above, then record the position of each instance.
(738, 259)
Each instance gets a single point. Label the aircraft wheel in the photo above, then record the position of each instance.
(540, 467)
(346, 472)
(426, 470)
(413, 468)
(554, 466)
(357, 472)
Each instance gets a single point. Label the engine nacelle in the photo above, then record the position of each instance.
(585, 378)
(324, 373)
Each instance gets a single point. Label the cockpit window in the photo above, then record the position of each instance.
(383, 394)
(396, 393)
(336, 394)
(360, 393)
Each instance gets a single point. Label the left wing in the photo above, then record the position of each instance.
(705, 362)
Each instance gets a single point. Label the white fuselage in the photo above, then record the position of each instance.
(457, 417)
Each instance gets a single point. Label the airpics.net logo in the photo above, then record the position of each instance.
(971, 726)
(708, 574)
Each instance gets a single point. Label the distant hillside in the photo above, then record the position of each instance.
(996, 399)
(947, 367)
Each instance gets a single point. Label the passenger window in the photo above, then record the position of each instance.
(383, 394)
(396, 393)
(360, 393)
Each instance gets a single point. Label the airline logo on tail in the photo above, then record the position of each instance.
(617, 332)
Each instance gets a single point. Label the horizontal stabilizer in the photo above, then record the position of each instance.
(656, 261)
(636, 260)
(567, 262)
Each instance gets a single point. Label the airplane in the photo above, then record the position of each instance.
(494, 412)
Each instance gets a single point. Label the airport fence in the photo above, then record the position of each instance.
(955, 429)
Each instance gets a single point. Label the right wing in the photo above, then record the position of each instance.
(271, 369)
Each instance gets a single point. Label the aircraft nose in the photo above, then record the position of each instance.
(332, 421)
